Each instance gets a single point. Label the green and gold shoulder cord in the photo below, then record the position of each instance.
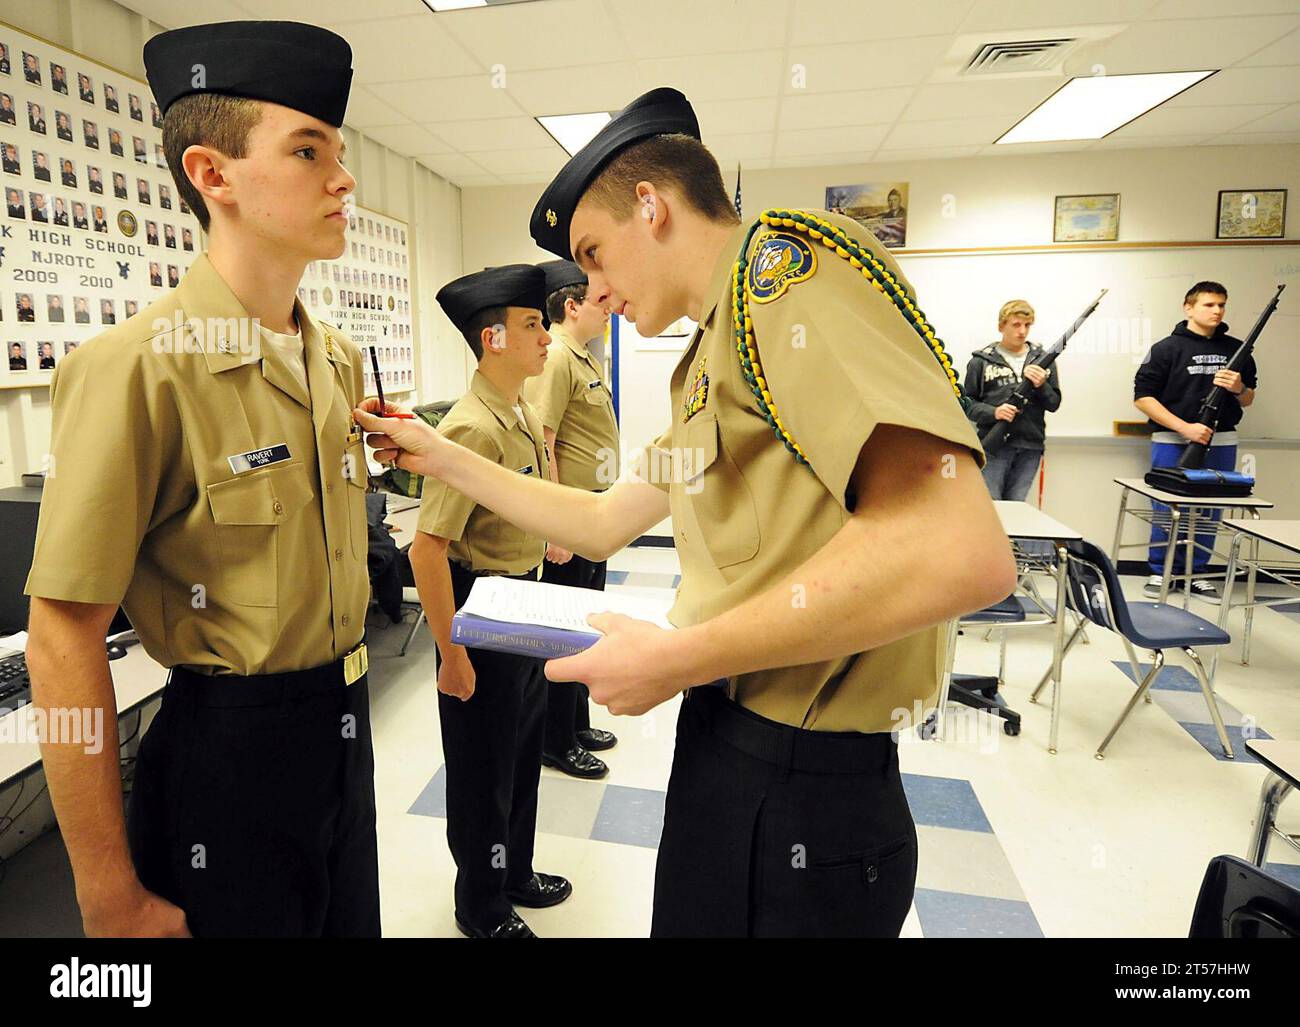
(790, 259)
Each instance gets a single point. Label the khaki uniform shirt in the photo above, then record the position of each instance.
(205, 491)
(839, 360)
(484, 422)
(573, 399)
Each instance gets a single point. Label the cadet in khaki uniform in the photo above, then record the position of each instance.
(829, 514)
(576, 409)
(491, 706)
(208, 476)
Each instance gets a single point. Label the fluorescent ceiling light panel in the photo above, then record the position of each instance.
(574, 131)
(1093, 107)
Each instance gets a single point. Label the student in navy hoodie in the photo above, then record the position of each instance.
(1176, 376)
(992, 375)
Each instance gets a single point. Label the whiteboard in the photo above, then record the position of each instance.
(961, 294)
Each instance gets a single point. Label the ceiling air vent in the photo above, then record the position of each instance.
(1022, 55)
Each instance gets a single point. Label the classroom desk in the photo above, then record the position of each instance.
(1020, 520)
(136, 680)
(1280, 534)
(1179, 506)
(1283, 761)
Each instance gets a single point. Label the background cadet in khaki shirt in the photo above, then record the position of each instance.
(218, 493)
(814, 589)
(491, 706)
(576, 409)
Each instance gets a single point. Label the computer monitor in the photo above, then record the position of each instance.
(19, 509)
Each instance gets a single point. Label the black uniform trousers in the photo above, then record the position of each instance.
(492, 748)
(253, 807)
(774, 831)
(566, 701)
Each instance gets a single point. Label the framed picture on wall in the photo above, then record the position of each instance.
(1251, 214)
(1087, 218)
(880, 207)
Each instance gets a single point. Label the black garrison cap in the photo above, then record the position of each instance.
(286, 62)
(659, 112)
(559, 274)
(512, 285)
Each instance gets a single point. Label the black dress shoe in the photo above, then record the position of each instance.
(540, 891)
(577, 762)
(593, 739)
(511, 927)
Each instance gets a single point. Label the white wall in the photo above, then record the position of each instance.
(386, 181)
(1166, 195)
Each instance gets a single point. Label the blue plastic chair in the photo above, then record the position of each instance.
(1094, 591)
(1240, 900)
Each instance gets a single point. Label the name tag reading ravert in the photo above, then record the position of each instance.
(257, 458)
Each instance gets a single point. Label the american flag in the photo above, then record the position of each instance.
(738, 213)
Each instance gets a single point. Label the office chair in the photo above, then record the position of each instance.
(1240, 900)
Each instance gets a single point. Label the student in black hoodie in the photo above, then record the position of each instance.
(992, 375)
(1175, 377)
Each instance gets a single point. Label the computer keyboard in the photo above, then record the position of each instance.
(15, 685)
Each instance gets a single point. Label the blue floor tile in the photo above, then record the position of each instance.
(1171, 677)
(946, 914)
(1287, 872)
(631, 816)
(615, 577)
(1209, 738)
(432, 802)
(944, 802)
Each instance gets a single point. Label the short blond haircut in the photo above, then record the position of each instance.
(1015, 308)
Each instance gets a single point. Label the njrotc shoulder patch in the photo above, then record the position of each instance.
(698, 394)
(781, 259)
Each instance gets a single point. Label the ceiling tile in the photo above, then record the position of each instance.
(1020, 149)
(1181, 45)
(467, 97)
(1246, 85)
(884, 156)
(747, 147)
(1215, 8)
(720, 77)
(528, 36)
(1286, 119)
(674, 27)
(841, 67)
(859, 139)
(367, 111)
(198, 12)
(975, 97)
(543, 162)
(328, 12)
(1254, 139)
(991, 15)
(409, 139)
(451, 166)
(832, 110)
(1169, 121)
(576, 90)
(731, 117)
(815, 21)
(393, 49)
(493, 134)
(1285, 51)
(949, 132)
(1119, 142)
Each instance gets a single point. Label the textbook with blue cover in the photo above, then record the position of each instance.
(537, 618)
